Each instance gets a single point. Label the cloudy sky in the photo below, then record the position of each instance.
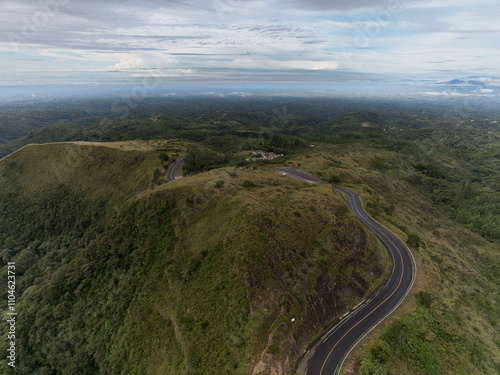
(169, 41)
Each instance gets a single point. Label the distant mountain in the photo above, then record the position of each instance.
(459, 82)
(455, 82)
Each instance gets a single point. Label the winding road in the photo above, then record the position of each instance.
(173, 171)
(328, 354)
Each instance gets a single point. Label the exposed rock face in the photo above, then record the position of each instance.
(316, 276)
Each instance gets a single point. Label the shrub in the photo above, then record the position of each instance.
(424, 299)
(413, 240)
(341, 211)
(249, 184)
(334, 179)
(274, 349)
(219, 184)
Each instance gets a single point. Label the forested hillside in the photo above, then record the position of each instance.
(121, 272)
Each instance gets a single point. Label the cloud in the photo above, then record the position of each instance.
(306, 65)
(124, 64)
(444, 93)
(243, 36)
(325, 65)
(482, 92)
(332, 5)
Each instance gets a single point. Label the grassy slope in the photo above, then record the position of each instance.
(118, 275)
(453, 328)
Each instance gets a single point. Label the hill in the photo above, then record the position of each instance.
(359, 119)
(121, 272)
(449, 325)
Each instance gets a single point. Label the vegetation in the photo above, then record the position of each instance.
(453, 329)
(205, 274)
(202, 159)
(184, 278)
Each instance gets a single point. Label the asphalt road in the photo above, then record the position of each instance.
(327, 357)
(173, 171)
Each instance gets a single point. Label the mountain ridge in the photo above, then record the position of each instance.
(123, 274)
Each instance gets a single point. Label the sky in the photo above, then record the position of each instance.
(112, 42)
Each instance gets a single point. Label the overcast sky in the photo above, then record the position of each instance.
(168, 41)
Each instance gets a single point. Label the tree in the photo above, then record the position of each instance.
(413, 241)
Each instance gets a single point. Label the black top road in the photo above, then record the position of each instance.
(173, 171)
(329, 354)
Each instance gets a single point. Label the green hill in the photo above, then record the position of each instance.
(121, 272)
(361, 118)
(449, 324)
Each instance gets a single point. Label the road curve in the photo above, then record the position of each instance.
(175, 168)
(328, 355)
